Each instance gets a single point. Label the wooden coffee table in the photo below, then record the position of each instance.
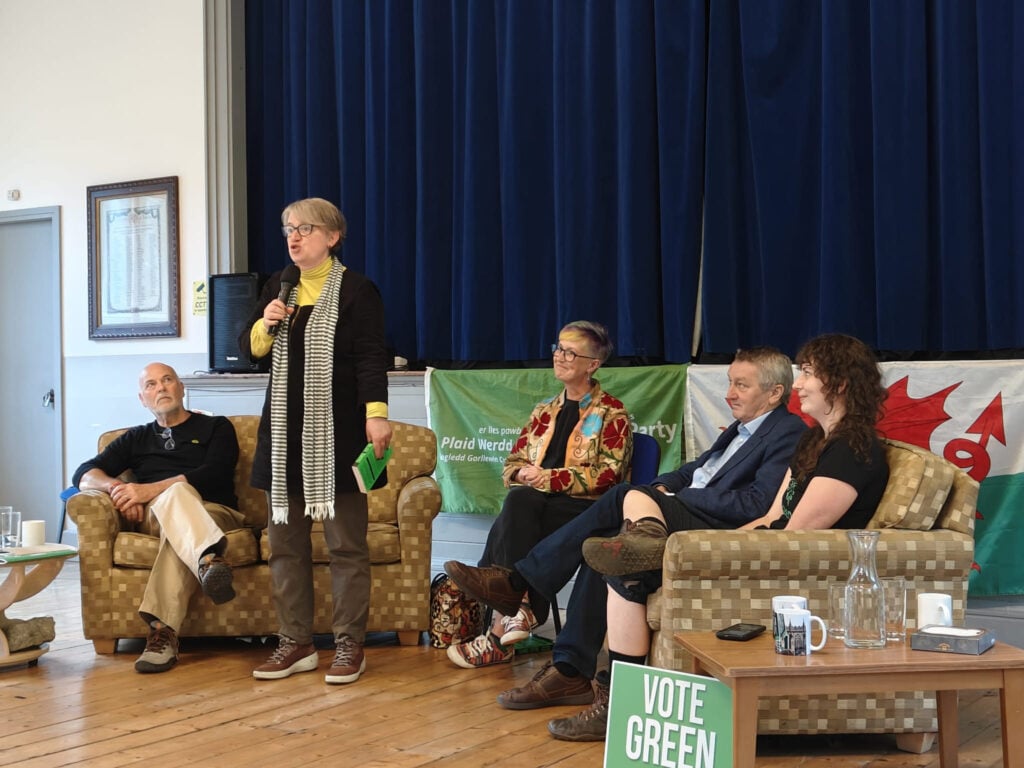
(29, 570)
(753, 669)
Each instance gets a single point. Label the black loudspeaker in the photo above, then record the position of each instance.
(232, 298)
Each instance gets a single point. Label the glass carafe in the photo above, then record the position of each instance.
(864, 612)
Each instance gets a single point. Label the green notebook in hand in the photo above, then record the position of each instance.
(367, 467)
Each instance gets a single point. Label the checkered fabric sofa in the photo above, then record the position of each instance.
(716, 578)
(115, 563)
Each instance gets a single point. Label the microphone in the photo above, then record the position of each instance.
(289, 279)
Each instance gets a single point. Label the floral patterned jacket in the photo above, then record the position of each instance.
(597, 455)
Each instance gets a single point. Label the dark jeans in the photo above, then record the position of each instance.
(550, 565)
(527, 516)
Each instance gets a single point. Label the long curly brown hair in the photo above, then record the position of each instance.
(849, 372)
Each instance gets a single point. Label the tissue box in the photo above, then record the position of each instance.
(952, 639)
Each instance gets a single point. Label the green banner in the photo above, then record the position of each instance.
(657, 717)
(477, 416)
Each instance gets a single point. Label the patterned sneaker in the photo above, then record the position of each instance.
(349, 662)
(640, 547)
(481, 651)
(286, 660)
(215, 578)
(518, 628)
(161, 651)
(590, 724)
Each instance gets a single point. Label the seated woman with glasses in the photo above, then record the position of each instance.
(574, 447)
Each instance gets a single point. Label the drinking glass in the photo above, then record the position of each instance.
(10, 527)
(895, 609)
(836, 608)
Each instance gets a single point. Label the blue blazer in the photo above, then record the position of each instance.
(745, 487)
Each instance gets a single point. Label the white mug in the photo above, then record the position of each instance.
(33, 533)
(779, 603)
(934, 608)
(796, 631)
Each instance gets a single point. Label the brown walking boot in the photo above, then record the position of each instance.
(639, 547)
(590, 724)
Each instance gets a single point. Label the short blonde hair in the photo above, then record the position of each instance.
(323, 213)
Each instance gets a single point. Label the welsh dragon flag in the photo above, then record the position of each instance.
(971, 413)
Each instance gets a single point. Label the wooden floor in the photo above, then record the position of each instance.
(411, 708)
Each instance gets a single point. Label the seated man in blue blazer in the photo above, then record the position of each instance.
(732, 483)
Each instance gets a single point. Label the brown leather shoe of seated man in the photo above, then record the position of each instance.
(491, 586)
(548, 688)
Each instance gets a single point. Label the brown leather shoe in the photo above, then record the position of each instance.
(588, 725)
(640, 547)
(491, 586)
(549, 688)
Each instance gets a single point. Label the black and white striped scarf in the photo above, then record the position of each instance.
(318, 411)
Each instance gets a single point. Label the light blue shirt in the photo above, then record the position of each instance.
(703, 474)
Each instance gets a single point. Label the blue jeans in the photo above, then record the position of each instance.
(551, 564)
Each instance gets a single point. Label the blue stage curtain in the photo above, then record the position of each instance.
(505, 166)
(863, 174)
(509, 165)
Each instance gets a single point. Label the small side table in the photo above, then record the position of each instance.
(29, 571)
(752, 669)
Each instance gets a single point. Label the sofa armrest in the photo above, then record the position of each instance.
(419, 501)
(98, 524)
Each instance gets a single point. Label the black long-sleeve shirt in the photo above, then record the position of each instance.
(205, 451)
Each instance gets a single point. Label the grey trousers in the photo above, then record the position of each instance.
(291, 568)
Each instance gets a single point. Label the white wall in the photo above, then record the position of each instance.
(100, 92)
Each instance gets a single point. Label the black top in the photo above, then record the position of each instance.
(205, 451)
(839, 462)
(566, 420)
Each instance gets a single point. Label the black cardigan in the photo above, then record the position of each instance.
(359, 377)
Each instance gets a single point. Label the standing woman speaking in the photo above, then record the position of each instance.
(326, 399)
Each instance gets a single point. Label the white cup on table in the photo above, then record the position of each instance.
(33, 533)
(934, 608)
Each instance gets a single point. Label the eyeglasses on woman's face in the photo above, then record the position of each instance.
(567, 354)
(304, 230)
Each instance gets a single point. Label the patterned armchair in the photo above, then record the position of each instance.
(115, 564)
(716, 578)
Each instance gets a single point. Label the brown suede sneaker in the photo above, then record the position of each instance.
(349, 662)
(590, 724)
(640, 547)
(549, 688)
(289, 658)
(491, 586)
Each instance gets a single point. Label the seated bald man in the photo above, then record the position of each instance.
(183, 468)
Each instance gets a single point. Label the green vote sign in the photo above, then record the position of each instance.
(667, 719)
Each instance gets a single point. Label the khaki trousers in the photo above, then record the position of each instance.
(187, 527)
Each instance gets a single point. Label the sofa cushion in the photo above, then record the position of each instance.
(382, 537)
(919, 482)
(138, 550)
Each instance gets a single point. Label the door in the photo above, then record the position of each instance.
(31, 440)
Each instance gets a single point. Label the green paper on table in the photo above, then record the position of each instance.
(367, 467)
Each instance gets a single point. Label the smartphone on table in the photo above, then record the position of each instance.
(741, 631)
